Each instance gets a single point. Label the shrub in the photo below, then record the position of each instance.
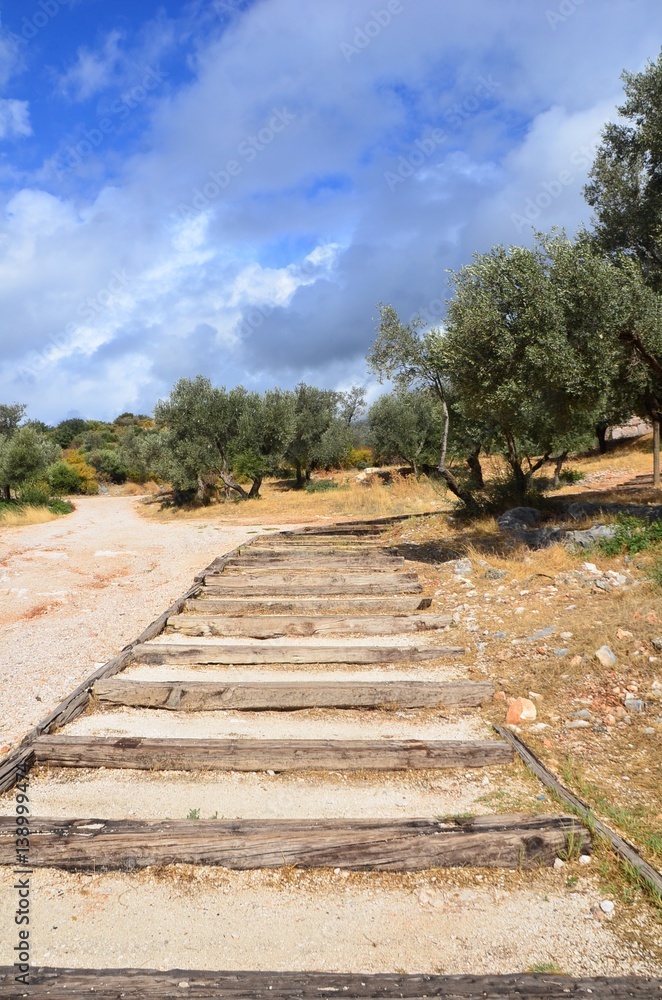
(88, 478)
(109, 465)
(35, 494)
(58, 506)
(360, 458)
(63, 478)
(321, 486)
(571, 476)
(633, 534)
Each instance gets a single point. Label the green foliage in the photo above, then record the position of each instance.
(58, 506)
(321, 486)
(407, 426)
(109, 465)
(624, 187)
(571, 476)
(633, 535)
(320, 436)
(11, 415)
(24, 456)
(35, 494)
(63, 478)
(360, 458)
(67, 430)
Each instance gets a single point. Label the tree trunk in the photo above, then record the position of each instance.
(299, 472)
(255, 488)
(465, 495)
(656, 453)
(476, 480)
(558, 465)
(601, 433)
(7, 493)
(412, 462)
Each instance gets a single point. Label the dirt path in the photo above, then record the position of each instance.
(74, 591)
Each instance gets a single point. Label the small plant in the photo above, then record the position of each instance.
(58, 506)
(542, 967)
(633, 535)
(321, 486)
(193, 814)
(571, 476)
(35, 494)
(573, 846)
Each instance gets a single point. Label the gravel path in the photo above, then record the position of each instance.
(74, 591)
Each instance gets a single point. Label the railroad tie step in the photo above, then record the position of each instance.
(274, 626)
(508, 841)
(175, 754)
(293, 604)
(210, 653)
(205, 696)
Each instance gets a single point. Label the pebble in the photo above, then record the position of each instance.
(558, 863)
(560, 652)
(584, 859)
(649, 731)
(634, 705)
(606, 656)
(583, 713)
(657, 643)
(607, 906)
(578, 724)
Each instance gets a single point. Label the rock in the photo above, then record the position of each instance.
(519, 517)
(539, 727)
(560, 652)
(558, 863)
(576, 661)
(606, 657)
(607, 906)
(499, 696)
(534, 696)
(584, 859)
(602, 584)
(543, 633)
(634, 705)
(609, 720)
(566, 635)
(622, 633)
(537, 538)
(578, 724)
(500, 635)
(495, 574)
(587, 539)
(520, 710)
(461, 567)
(649, 731)
(590, 568)
(657, 643)
(583, 714)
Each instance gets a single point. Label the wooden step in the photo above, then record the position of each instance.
(149, 754)
(273, 626)
(207, 604)
(144, 984)
(185, 653)
(309, 567)
(206, 696)
(517, 841)
(293, 555)
(312, 585)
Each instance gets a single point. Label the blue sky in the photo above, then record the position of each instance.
(230, 187)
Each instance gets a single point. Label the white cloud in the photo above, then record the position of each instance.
(93, 70)
(14, 118)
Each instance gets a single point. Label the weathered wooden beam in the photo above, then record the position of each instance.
(274, 626)
(629, 853)
(302, 556)
(308, 567)
(150, 754)
(206, 696)
(180, 653)
(145, 984)
(311, 586)
(517, 841)
(207, 604)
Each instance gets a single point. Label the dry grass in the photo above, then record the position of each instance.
(25, 516)
(280, 503)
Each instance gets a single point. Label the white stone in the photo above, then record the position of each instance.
(607, 906)
(584, 859)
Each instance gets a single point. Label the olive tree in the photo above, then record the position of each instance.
(407, 425)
